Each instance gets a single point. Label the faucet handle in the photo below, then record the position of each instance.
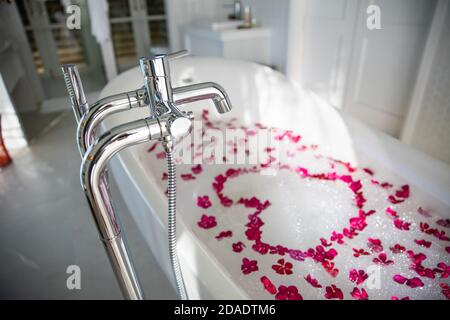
(156, 74)
(156, 66)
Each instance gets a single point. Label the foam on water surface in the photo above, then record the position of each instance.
(313, 227)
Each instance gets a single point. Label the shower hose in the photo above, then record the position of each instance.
(172, 222)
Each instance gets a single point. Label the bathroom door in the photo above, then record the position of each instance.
(53, 44)
(367, 73)
(138, 28)
(327, 38)
(385, 62)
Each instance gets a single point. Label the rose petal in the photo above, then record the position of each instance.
(399, 279)
(197, 169)
(268, 285)
(203, 202)
(414, 282)
(152, 147)
(187, 176)
(423, 243)
(207, 222)
(224, 234)
(238, 246)
(359, 294)
(312, 281)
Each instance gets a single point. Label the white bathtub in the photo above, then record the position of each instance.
(302, 210)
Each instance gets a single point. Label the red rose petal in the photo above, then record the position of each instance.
(414, 283)
(399, 279)
(238, 246)
(152, 147)
(224, 234)
(333, 292)
(161, 155)
(207, 222)
(268, 285)
(248, 266)
(203, 202)
(423, 243)
(197, 169)
(359, 294)
(187, 177)
(403, 192)
(312, 281)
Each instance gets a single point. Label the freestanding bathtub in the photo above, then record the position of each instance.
(349, 213)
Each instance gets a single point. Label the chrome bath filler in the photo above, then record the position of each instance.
(166, 123)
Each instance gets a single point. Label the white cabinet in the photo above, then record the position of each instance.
(244, 44)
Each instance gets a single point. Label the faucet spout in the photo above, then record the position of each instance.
(203, 91)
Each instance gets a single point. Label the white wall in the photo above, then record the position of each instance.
(269, 13)
(367, 73)
(428, 126)
(385, 62)
(274, 15)
(182, 13)
(320, 44)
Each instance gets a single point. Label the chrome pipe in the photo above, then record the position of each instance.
(92, 170)
(166, 123)
(75, 88)
(87, 127)
(177, 55)
(203, 91)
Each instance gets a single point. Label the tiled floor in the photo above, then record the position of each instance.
(45, 226)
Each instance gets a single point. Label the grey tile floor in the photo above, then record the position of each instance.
(45, 226)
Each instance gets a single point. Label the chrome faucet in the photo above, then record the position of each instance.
(89, 122)
(166, 123)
